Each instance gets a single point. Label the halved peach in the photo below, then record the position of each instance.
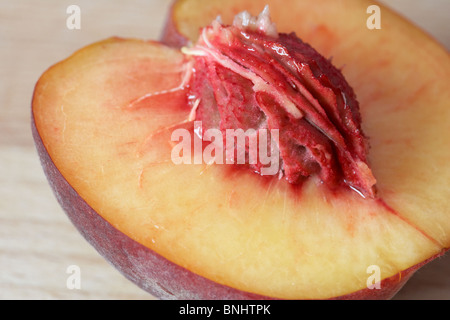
(215, 232)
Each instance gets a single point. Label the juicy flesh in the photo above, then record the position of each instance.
(278, 241)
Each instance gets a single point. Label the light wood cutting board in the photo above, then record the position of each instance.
(37, 242)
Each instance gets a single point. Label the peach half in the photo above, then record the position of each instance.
(215, 232)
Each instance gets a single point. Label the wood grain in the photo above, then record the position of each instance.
(37, 242)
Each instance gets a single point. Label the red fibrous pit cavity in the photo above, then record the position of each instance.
(249, 76)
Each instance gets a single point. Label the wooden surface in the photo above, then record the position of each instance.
(37, 242)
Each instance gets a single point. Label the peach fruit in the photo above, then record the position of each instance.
(213, 232)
